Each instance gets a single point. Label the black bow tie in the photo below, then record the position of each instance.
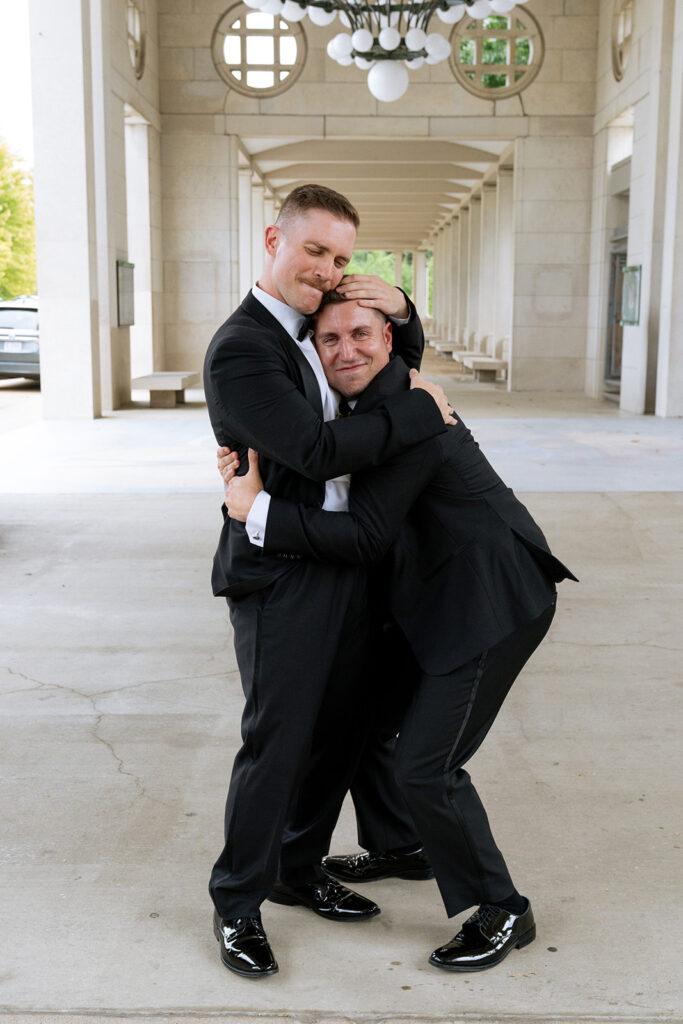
(344, 409)
(304, 329)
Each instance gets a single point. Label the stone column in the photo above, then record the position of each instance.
(268, 211)
(552, 206)
(505, 254)
(258, 227)
(398, 268)
(448, 279)
(488, 262)
(421, 284)
(66, 234)
(453, 283)
(463, 273)
(473, 263)
(669, 401)
(245, 233)
(201, 244)
(139, 227)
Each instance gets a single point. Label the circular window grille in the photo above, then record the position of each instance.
(497, 56)
(135, 24)
(622, 35)
(258, 54)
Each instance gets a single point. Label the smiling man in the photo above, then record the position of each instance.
(300, 627)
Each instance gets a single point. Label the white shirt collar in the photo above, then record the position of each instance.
(284, 314)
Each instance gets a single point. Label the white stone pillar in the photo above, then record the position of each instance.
(463, 273)
(473, 263)
(505, 254)
(258, 228)
(448, 279)
(201, 243)
(453, 280)
(66, 237)
(552, 204)
(421, 294)
(669, 401)
(488, 262)
(440, 278)
(139, 229)
(398, 268)
(268, 211)
(245, 234)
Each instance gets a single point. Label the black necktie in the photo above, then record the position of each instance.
(344, 409)
(304, 329)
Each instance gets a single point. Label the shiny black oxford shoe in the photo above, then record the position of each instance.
(327, 898)
(486, 938)
(244, 946)
(375, 865)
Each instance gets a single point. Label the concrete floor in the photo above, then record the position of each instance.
(120, 710)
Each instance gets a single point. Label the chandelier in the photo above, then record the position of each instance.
(386, 37)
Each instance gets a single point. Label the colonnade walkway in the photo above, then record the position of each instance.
(120, 707)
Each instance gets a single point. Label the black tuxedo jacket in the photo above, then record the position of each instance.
(467, 563)
(262, 393)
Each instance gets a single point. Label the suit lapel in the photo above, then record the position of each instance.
(391, 378)
(309, 382)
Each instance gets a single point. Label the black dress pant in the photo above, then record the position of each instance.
(447, 721)
(301, 646)
(382, 816)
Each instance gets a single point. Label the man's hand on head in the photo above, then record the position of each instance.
(242, 491)
(369, 290)
(437, 393)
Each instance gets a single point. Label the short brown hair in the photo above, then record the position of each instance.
(318, 197)
(334, 298)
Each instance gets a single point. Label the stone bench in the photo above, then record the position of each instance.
(166, 388)
(484, 367)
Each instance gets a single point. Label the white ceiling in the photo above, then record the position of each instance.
(403, 188)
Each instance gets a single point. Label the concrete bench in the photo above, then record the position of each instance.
(445, 348)
(166, 388)
(486, 368)
(476, 346)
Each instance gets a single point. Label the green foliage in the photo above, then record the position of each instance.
(17, 229)
(381, 263)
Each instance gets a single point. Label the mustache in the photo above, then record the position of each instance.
(322, 287)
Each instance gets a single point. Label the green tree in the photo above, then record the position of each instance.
(17, 228)
(381, 263)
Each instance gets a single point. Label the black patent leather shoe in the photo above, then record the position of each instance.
(375, 865)
(486, 938)
(327, 898)
(244, 946)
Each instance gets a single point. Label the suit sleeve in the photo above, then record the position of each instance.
(254, 401)
(379, 501)
(409, 339)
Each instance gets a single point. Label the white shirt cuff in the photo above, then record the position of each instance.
(256, 520)
(399, 321)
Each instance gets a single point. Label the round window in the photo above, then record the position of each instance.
(135, 25)
(497, 56)
(258, 54)
(622, 35)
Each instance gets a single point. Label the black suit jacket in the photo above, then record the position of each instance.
(467, 563)
(262, 393)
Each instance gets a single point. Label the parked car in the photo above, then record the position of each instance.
(19, 345)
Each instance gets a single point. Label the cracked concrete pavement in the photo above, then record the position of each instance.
(120, 705)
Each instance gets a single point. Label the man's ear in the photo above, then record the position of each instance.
(388, 335)
(273, 235)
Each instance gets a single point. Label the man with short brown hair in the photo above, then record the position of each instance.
(300, 627)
